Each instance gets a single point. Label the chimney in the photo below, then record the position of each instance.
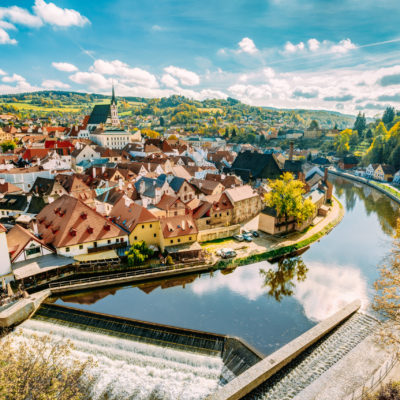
(291, 151)
(326, 174)
(35, 228)
(103, 169)
(94, 172)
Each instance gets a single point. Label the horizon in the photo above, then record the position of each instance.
(260, 52)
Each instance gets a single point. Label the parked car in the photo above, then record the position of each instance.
(247, 238)
(229, 254)
(246, 232)
(239, 238)
(220, 252)
(255, 233)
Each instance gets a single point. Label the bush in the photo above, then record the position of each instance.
(138, 254)
(390, 391)
(169, 260)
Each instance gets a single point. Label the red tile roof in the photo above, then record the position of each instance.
(180, 225)
(68, 221)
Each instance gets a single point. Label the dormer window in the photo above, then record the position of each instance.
(107, 227)
(89, 229)
(72, 232)
(84, 215)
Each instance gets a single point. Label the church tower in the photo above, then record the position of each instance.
(114, 109)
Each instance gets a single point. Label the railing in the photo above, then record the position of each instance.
(115, 276)
(374, 381)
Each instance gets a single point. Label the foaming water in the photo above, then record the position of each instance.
(131, 370)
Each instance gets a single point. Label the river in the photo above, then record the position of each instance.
(268, 309)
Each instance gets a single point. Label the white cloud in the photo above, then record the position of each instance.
(293, 48)
(54, 84)
(2, 72)
(169, 81)
(13, 78)
(93, 80)
(63, 66)
(7, 25)
(125, 73)
(185, 77)
(20, 16)
(313, 44)
(5, 38)
(57, 16)
(246, 45)
(342, 47)
(157, 28)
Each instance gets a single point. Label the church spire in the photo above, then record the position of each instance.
(113, 99)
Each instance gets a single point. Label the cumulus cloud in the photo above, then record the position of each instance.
(43, 13)
(13, 78)
(185, 77)
(5, 38)
(63, 66)
(313, 44)
(20, 16)
(2, 72)
(293, 48)
(305, 94)
(246, 45)
(345, 97)
(93, 80)
(126, 73)
(342, 47)
(389, 97)
(169, 81)
(54, 84)
(157, 28)
(57, 16)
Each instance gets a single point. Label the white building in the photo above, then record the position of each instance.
(112, 138)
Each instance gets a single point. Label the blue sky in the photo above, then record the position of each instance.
(341, 55)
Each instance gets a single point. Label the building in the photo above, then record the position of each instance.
(112, 137)
(72, 228)
(384, 172)
(348, 162)
(138, 222)
(246, 203)
(252, 166)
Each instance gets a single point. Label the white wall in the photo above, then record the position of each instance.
(5, 264)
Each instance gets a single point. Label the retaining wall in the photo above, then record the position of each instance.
(218, 233)
(260, 372)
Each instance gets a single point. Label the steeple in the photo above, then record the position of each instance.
(113, 99)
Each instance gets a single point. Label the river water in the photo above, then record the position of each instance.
(268, 309)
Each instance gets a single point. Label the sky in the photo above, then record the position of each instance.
(341, 55)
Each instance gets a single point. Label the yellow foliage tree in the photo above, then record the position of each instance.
(286, 197)
(150, 133)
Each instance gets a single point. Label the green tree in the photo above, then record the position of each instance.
(388, 115)
(286, 197)
(7, 145)
(314, 125)
(138, 254)
(360, 124)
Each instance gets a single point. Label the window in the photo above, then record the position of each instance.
(109, 241)
(142, 226)
(33, 250)
(95, 244)
(190, 238)
(135, 238)
(171, 241)
(175, 213)
(151, 225)
(179, 240)
(80, 246)
(155, 235)
(67, 249)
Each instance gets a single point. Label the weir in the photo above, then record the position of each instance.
(236, 354)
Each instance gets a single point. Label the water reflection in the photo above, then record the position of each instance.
(280, 280)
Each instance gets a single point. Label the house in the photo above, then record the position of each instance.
(252, 166)
(384, 172)
(246, 203)
(348, 162)
(24, 178)
(24, 245)
(169, 206)
(138, 222)
(178, 230)
(207, 187)
(9, 188)
(49, 189)
(83, 153)
(370, 170)
(72, 228)
(151, 190)
(181, 188)
(13, 205)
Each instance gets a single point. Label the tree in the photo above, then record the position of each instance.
(388, 115)
(286, 197)
(7, 145)
(138, 254)
(150, 133)
(360, 124)
(314, 125)
(172, 137)
(36, 369)
(369, 134)
(280, 280)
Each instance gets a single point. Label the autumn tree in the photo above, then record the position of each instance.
(150, 133)
(41, 368)
(286, 197)
(7, 145)
(138, 254)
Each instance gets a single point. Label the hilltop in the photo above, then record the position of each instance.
(177, 110)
